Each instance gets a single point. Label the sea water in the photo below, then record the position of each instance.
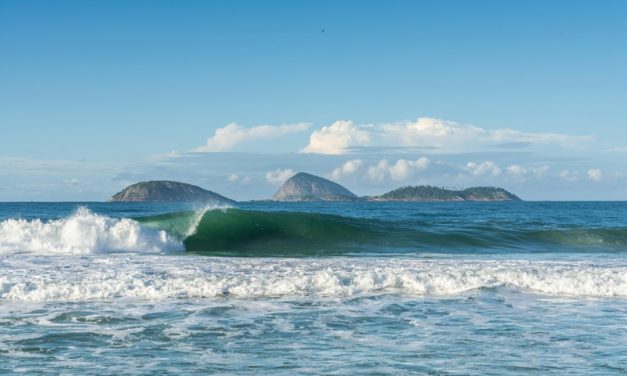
(314, 288)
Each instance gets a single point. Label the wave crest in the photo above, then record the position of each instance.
(236, 232)
(83, 232)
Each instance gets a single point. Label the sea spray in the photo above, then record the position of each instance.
(181, 224)
(463, 288)
(83, 232)
(198, 215)
(158, 277)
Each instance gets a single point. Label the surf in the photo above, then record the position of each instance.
(82, 233)
(159, 278)
(237, 232)
(228, 231)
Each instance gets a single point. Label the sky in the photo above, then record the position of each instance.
(237, 96)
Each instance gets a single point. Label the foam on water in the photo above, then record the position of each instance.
(199, 213)
(464, 288)
(82, 233)
(166, 277)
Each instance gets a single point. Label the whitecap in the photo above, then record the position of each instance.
(81, 233)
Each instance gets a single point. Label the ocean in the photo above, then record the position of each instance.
(372, 288)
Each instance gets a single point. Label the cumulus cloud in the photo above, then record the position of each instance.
(337, 138)
(227, 137)
(426, 132)
(569, 176)
(517, 171)
(429, 132)
(346, 169)
(523, 173)
(279, 176)
(399, 171)
(379, 171)
(484, 168)
(243, 180)
(403, 168)
(595, 174)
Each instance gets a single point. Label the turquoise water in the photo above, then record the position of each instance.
(343, 288)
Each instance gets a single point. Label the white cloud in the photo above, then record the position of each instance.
(242, 180)
(523, 173)
(595, 174)
(517, 171)
(483, 168)
(403, 168)
(279, 176)
(348, 168)
(514, 136)
(379, 171)
(430, 133)
(568, 175)
(227, 137)
(399, 171)
(336, 138)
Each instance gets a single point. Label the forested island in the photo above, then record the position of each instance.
(304, 187)
(430, 193)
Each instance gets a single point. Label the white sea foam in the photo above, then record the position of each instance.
(81, 233)
(199, 213)
(162, 277)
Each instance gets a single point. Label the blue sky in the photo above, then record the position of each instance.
(98, 94)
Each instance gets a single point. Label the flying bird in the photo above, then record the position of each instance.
(323, 30)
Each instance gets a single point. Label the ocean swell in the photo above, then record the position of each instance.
(236, 232)
(223, 231)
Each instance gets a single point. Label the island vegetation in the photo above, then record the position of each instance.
(304, 187)
(431, 193)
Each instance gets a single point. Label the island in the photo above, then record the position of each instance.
(168, 191)
(430, 193)
(304, 187)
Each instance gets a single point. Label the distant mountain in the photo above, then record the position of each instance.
(170, 191)
(307, 187)
(429, 193)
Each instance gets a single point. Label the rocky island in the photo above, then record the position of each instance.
(429, 193)
(306, 187)
(168, 191)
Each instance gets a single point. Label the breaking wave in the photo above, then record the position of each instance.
(82, 233)
(238, 232)
(234, 232)
(175, 277)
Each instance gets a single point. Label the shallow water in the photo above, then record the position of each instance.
(461, 288)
